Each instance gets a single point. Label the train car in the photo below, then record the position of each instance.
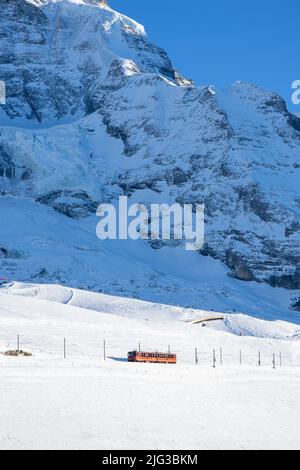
(152, 357)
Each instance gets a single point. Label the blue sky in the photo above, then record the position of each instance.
(221, 41)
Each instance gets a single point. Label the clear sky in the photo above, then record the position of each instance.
(221, 41)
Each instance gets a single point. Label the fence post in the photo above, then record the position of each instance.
(214, 359)
(280, 359)
(104, 350)
(65, 349)
(221, 356)
(259, 359)
(241, 357)
(196, 356)
(18, 343)
(274, 362)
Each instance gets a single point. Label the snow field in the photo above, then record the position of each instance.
(84, 402)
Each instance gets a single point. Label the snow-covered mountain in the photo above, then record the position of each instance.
(95, 111)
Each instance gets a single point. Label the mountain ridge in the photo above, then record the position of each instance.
(95, 111)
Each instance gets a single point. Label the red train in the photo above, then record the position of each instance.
(152, 357)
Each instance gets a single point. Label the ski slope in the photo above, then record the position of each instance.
(86, 402)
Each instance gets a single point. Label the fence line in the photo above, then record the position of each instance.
(216, 357)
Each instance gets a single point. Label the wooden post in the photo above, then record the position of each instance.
(214, 359)
(274, 362)
(18, 343)
(259, 359)
(280, 359)
(65, 349)
(196, 356)
(221, 356)
(104, 350)
(241, 358)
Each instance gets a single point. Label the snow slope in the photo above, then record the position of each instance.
(138, 310)
(84, 402)
(52, 247)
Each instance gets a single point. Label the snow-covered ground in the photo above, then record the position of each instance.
(84, 402)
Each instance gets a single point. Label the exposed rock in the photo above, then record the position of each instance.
(296, 306)
(75, 205)
(288, 281)
(239, 267)
(111, 116)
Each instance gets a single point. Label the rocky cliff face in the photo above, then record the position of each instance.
(95, 111)
(55, 56)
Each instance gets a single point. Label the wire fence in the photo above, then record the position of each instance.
(64, 348)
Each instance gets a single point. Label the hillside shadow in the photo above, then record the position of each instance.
(118, 359)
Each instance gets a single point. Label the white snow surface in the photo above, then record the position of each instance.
(84, 402)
